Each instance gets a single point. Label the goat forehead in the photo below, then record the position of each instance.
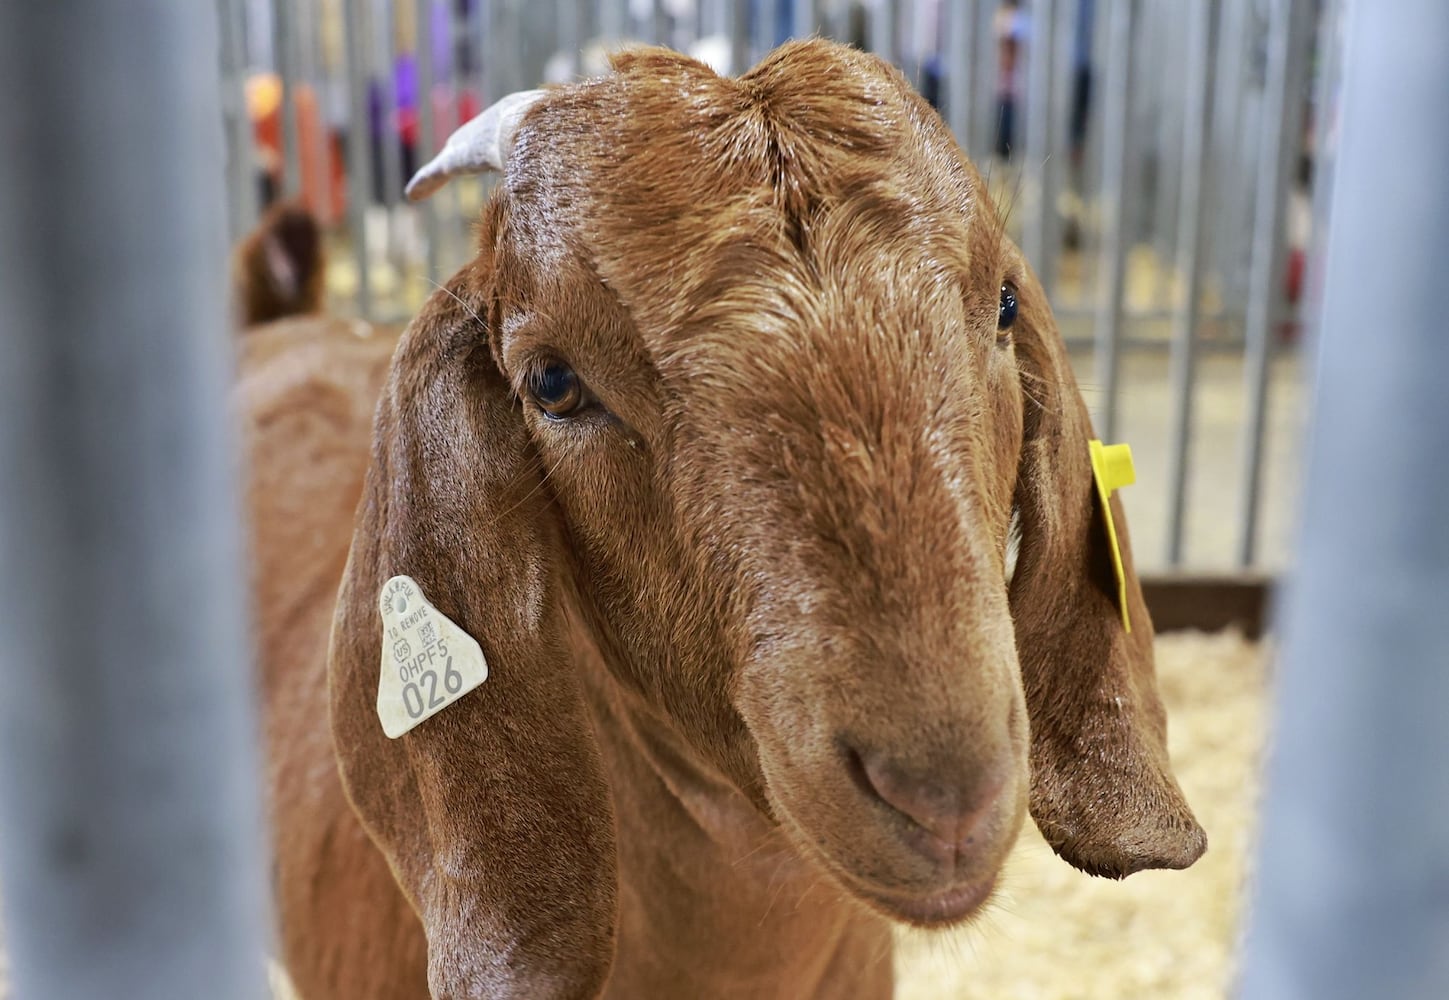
(677, 186)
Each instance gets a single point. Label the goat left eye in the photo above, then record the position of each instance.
(556, 389)
(1006, 311)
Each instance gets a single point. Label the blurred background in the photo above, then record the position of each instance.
(1106, 129)
(1169, 168)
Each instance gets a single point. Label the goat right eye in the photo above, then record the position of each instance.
(556, 389)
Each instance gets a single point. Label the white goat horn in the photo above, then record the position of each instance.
(479, 145)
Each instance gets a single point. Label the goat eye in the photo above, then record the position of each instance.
(556, 390)
(1006, 311)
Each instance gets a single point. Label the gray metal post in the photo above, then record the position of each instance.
(1350, 898)
(1040, 140)
(613, 16)
(984, 134)
(382, 51)
(131, 849)
(1191, 232)
(960, 26)
(1291, 35)
(241, 182)
(359, 153)
(740, 37)
(284, 37)
(804, 17)
(427, 132)
(1112, 258)
(1054, 173)
(882, 31)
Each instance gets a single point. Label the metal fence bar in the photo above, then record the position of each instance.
(1191, 237)
(740, 38)
(1349, 899)
(1054, 173)
(983, 136)
(240, 159)
(613, 16)
(1325, 94)
(882, 31)
(1169, 97)
(284, 37)
(427, 133)
(131, 855)
(1232, 185)
(1112, 255)
(1290, 33)
(804, 18)
(1039, 138)
(960, 26)
(359, 166)
(383, 60)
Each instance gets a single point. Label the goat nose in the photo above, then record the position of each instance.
(948, 809)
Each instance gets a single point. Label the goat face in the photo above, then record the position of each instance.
(776, 383)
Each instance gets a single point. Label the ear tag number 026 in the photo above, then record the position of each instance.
(1112, 469)
(427, 662)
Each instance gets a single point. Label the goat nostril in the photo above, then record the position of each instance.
(951, 812)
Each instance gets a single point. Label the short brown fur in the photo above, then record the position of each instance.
(279, 270)
(732, 612)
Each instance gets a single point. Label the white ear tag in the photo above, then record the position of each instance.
(427, 662)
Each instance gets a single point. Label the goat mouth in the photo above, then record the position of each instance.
(940, 909)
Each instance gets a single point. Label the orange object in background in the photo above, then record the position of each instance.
(319, 160)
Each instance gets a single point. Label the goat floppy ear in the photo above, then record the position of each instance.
(494, 813)
(1102, 793)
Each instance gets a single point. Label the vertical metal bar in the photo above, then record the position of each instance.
(385, 66)
(567, 40)
(883, 30)
(984, 134)
(1054, 175)
(132, 858)
(613, 16)
(1172, 100)
(1325, 96)
(1290, 34)
(359, 155)
(1112, 257)
(1192, 210)
(1231, 188)
(740, 37)
(715, 20)
(488, 48)
(644, 21)
(427, 130)
(458, 231)
(284, 41)
(240, 159)
(762, 29)
(804, 17)
(960, 41)
(1039, 139)
(1351, 864)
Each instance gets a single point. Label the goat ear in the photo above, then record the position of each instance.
(1103, 793)
(494, 813)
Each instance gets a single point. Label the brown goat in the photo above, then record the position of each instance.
(279, 269)
(715, 449)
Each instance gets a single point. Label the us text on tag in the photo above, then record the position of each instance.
(427, 662)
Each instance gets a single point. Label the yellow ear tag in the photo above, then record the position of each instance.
(1112, 469)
